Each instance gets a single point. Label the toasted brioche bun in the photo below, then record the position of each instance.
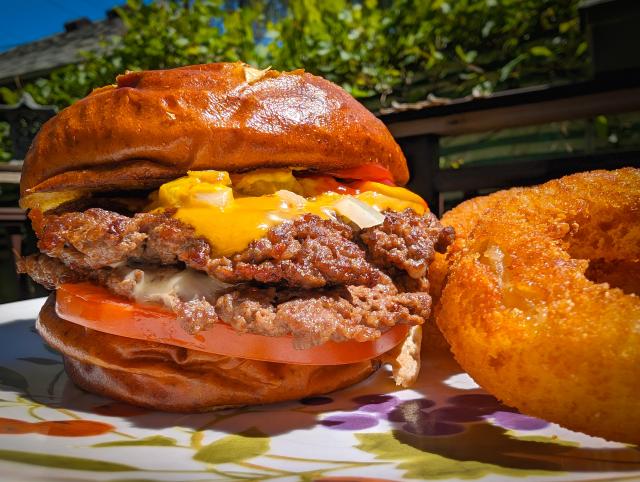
(175, 379)
(153, 126)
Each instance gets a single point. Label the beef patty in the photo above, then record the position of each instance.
(315, 279)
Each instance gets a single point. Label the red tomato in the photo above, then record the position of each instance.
(368, 172)
(95, 308)
(322, 184)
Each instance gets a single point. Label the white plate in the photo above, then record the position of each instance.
(444, 428)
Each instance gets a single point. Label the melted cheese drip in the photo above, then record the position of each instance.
(206, 201)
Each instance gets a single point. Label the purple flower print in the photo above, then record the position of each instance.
(488, 407)
(415, 417)
(517, 421)
(420, 416)
(349, 422)
(371, 409)
(376, 403)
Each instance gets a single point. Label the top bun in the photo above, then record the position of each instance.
(153, 126)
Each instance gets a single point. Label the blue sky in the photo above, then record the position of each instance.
(22, 21)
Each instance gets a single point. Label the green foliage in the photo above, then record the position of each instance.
(407, 49)
(378, 50)
(8, 96)
(5, 142)
(158, 36)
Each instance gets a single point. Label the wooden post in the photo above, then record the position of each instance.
(423, 159)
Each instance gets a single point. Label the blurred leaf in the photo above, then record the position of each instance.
(582, 48)
(541, 51)
(564, 27)
(505, 71)
(8, 96)
(488, 26)
(601, 126)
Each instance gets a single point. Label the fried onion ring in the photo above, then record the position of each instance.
(540, 303)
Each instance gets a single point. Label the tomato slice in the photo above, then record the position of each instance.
(368, 172)
(94, 307)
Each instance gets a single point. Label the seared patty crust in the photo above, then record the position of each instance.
(315, 279)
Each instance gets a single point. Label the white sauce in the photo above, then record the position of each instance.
(163, 285)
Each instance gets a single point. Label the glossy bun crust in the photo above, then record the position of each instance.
(175, 379)
(153, 126)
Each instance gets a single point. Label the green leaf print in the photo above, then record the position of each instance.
(63, 462)
(483, 449)
(234, 448)
(12, 379)
(40, 360)
(543, 439)
(424, 465)
(152, 441)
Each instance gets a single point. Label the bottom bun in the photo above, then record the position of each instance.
(176, 379)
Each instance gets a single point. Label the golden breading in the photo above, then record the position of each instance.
(523, 313)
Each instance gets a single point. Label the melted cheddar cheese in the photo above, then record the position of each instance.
(231, 218)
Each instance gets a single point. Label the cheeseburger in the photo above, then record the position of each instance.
(218, 235)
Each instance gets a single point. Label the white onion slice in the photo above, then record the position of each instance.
(359, 212)
(291, 198)
(217, 199)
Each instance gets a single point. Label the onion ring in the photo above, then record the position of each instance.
(528, 317)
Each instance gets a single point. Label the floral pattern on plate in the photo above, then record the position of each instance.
(444, 428)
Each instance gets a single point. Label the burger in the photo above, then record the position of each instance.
(218, 235)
